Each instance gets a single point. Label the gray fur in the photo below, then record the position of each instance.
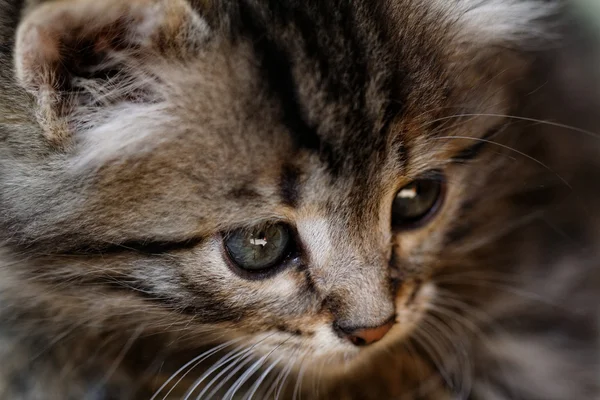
(125, 155)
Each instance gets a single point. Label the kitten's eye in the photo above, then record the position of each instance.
(416, 202)
(258, 248)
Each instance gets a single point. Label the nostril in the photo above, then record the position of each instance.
(357, 341)
(365, 336)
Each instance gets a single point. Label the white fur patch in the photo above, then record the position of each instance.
(316, 237)
(326, 342)
(491, 21)
(124, 131)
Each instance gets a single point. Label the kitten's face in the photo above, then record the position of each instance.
(302, 192)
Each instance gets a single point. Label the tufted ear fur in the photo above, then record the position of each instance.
(518, 24)
(496, 42)
(79, 56)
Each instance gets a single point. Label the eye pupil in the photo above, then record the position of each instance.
(259, 248)
(417, 201)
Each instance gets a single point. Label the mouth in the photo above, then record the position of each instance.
(325, 348)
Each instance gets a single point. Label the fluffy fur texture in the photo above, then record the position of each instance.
(133, 134)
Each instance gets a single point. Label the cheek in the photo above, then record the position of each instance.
(279, 287)
(412, 303)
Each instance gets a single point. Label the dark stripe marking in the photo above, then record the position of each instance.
(277, 72)
(288, 185)
(472, 152)
(139, 246)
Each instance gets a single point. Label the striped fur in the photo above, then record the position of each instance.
(134, 133)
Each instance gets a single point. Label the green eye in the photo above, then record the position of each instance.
(416, 202)
(259, 248)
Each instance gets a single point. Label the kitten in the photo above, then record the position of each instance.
(297, 199)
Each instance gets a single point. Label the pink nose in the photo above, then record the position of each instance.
(367, 336)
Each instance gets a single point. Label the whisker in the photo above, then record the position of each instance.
(283, 382)
(256, 366)
(497, 329)
(319, 378)
(121, 356)
(499, 233)
(193, 362)
(519, 118)
(253, 390)
(298, 385)
(261, 379)
(246, 358)
(456, 317)
(461, 364)
(564, 234)
(563, 180)
(282, 374)
(57, 339)
(230, 394)
(535, 297)
(241, 364)
(426, 341)
(422, 378)
(242, 354)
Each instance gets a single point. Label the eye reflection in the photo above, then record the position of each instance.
(416, 202)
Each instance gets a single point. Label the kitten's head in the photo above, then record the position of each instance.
(291, 172)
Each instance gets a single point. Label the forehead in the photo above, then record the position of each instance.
(292, 83)
(336, 73)
(287, 90)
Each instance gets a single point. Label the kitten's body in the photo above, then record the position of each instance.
(169, 123)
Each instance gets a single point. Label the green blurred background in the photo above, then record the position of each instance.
(590, 10)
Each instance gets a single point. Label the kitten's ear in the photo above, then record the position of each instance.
(519, 24)
(87, 54)
(497, 41)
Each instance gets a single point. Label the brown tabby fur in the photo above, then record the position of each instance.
(134, 132)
